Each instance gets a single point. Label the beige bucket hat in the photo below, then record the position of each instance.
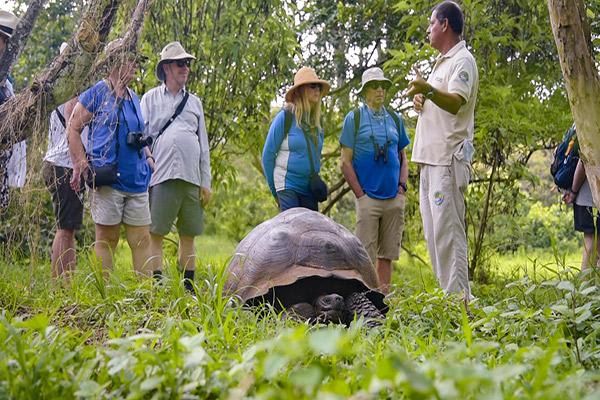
(373, 74)
(172, 51)
(8, 23)
(304, 76)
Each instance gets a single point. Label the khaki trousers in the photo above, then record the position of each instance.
(442, 205)
(379, 226)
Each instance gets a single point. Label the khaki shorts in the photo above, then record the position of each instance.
(173, 200)
(111, 207)
(379, 225)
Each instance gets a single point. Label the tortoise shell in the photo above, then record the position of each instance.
(297, 256)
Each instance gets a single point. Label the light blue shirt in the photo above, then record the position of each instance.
(377, 178)
(285, 157)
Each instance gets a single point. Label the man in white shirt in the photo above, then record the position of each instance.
(13, 166)
(444, 146)
(180, 186)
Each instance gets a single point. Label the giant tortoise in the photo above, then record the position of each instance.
(308, 265)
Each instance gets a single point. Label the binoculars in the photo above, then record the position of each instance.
(138, 140)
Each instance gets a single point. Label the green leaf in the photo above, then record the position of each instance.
(89, 389)
(307, 378)
(151, 383)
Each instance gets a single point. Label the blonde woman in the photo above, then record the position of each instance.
(292, 151)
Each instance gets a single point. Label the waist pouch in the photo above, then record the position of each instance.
(102, 176)
(318, 188)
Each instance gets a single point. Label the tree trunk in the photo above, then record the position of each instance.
(571, 30)
(19, 38)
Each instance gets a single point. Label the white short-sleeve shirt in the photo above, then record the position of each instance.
(440, 134)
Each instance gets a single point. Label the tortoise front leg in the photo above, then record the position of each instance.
(359, 304)
(300, 312)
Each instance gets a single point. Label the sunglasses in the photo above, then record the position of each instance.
(315, 86)
(181, 63)
(376, 85)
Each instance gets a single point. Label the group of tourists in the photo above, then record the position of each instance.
(373, 157)
(145, 162)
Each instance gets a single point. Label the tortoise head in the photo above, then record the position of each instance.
(330, 308)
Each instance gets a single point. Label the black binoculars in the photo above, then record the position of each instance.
(381, 151)
(138, 140)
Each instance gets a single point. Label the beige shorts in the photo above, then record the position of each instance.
(379, 225)
(111, 207)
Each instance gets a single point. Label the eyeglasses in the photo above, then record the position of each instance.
(315, 86)
(376, 85)
(181, 63)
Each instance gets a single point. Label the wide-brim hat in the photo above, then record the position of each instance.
(115, 48)
(172, 51)
(8, 23)
(304, 76)
(373, 74)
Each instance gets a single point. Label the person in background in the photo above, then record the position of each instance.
(444, 146)
(585, 217)
(180, 187)
(116, 152)
(375, 166)
(14, 160)
(67, 203)
(290, 158)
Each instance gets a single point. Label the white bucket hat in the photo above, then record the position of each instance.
(8, 23)
(172, 51)
(373, 74)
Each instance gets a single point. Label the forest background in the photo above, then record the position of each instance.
(247, 53)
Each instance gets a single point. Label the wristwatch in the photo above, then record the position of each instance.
(403, 186)
(430, 93)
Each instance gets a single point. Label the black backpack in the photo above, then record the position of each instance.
(566, 157)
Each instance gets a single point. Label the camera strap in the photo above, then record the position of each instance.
(178, 111)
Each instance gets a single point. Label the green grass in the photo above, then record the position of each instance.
(534, 337)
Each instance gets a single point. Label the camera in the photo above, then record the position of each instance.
(381, 151)
(138, 140)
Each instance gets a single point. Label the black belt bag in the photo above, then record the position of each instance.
(318, 187)
(102, 176)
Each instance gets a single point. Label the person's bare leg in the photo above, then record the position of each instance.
(187, 253)
(187, 260)
(138, 238)
(156, 249)
(384, 273)
(588, 249)
(63, 258)
(107, 238)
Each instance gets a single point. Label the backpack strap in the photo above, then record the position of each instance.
(61, 117)
(287, 124)
(356, 116)
(396, 121)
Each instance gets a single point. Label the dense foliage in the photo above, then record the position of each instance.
(123, 339)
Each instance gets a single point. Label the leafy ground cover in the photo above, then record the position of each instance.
(529, 337)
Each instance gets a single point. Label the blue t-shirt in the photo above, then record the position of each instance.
(285, 157)
(107, 110)
(378, 179)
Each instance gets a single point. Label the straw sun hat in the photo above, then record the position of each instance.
(304, 76)
(172, 51)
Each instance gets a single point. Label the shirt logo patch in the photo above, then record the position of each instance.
(438, 198)
(464, 76)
